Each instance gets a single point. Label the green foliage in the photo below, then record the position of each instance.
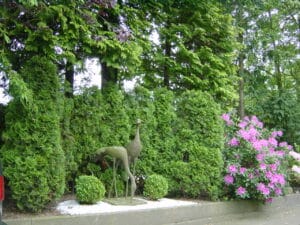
(195, 49)
(82, 138)
(199, 136)
(32, 155)
(279, 111)
(89, 189)
(156, 187)
(2, 122)
(115, 120)
(28, 181)
(107, 178)
(97, 120)
(164, 140)
(140, 105)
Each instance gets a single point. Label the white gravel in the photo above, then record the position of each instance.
(72, 207)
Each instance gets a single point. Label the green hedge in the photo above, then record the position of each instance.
(198, 163)
(32, 155)
(182, 137)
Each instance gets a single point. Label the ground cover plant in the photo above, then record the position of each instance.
(255, 161)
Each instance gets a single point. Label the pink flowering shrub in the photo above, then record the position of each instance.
(295, 170)
(255, 161)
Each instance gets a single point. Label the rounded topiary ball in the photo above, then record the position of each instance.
(156, 187)
(89, 189)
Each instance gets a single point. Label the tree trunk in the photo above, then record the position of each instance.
(109, 75)
(241, 98)
(241, 58)
(166, 66)
(69, 76)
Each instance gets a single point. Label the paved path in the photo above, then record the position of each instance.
(285, 217)
(283, 211)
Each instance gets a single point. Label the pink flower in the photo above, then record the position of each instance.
(277, 179)
(257, 122)
(243, 124)
(234, 142)
(283, 144)
(260, 156)
(245, 135)
(232, 169)
(243, 170)
(259, 144)
(241, 191)
(273, 141)
(228, 179)
(271, 186)
(263, 166)
(280, 153)
(226, 118)
(273, 167)
(278, 191)
(269, 175)
(250, 176)
(263, 189)
(277, 133)
(253, 133)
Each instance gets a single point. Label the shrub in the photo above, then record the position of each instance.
(294, 163)
(89, 189)
(256, 162)
(156, 187)
(33, 160)
(199, 134)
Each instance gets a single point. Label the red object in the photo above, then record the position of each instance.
(1, 188)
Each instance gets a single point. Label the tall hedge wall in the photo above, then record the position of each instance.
(199, 136)
(32, 155)
(182, 136)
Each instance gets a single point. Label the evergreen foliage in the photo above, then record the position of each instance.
(140, 104)
(84, 133)
(32, 155)
(97, 120)
(89, 189)
(185, 142)
(164, 140)
(115, 119)
(199, 136)
(156, 187)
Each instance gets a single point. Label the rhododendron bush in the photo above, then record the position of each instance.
(255, 161)
(295, 176)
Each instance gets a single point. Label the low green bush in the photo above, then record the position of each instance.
(156, 187)
(89, 189)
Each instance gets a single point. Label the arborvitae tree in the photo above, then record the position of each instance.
(197, 165)
(140, 105)
(164, 140)
(32, 155)
(83, 137)
(115, 121)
